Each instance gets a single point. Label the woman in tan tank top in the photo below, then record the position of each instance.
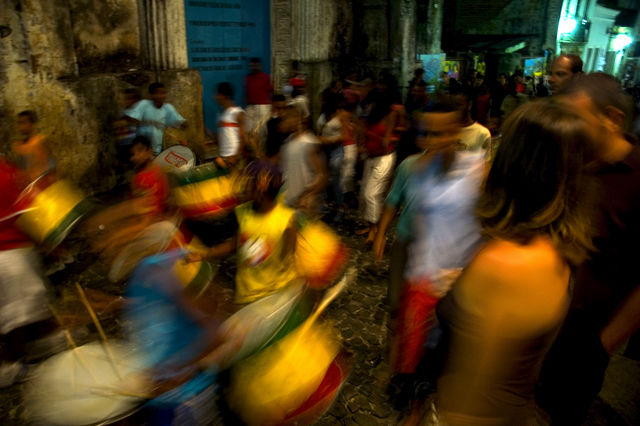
(505, 310)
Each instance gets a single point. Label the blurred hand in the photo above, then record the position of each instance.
(306, 203)
(142, 205)
(193, 256)
(378, 246)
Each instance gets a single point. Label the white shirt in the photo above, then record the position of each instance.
(229, 131)
(475, 137)
(296, 169)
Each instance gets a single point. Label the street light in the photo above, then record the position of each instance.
(567, 25)
(620, 41)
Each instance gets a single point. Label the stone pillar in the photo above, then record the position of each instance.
(281, 29)
(404, 40)
(550, 26)
(433, 30)
(163, 34)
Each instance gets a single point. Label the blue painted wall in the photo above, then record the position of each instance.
(221, 37)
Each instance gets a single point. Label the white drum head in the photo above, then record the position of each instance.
(83, 386)
(177, 158)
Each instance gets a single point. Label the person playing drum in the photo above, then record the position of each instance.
(24, 312)
(265, 238)
(147, 203)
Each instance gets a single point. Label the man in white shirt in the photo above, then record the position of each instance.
(232, 137)
(473, 135)
(304, 169)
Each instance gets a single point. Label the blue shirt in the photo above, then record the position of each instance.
(402, 195)
(166, 115)
(445, 229)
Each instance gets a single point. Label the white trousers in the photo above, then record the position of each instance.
(378, 172)
(348, 172)
(23, 296)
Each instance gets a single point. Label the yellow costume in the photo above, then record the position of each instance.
(263, 265)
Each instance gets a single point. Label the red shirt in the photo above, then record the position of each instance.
(374, 138)
(258, 87)
(152, 182)
(10, 236)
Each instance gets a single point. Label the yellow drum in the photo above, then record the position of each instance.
(157, 238)
(208, 191)
(320, 255)
(270, 385)
(50, 209)
(195, 277)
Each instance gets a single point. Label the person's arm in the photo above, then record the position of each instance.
(391, 123)
(330, 140)
(223, 249)
(401, 122)
(290, 237)
(174, 119)
(624, 323)
(136, 115)
(380, 240)
(394, 200)
(244, 140)
(321, 177)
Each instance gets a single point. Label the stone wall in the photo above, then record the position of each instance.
(510, 17)
(77, 105)
(106, 35)
(317, 34)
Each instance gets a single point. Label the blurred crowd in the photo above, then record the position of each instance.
(514, 210)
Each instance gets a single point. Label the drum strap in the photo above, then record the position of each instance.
(227, 124)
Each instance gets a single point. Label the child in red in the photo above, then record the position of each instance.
(149, 182)
(146, 205)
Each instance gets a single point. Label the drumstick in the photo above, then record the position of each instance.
(329, 297)
(73, 345)
(96, 322)
(55, 315)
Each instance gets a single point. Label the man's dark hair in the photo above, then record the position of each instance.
(261, 169)
(225, 89)
(30, 114)
(297, 91)
(603, 90)
(154, 87)
(575, 61)
(278, 97)
(445, 103)
(349, 106)
(132, 91)
(255, 60)
(141, 140)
